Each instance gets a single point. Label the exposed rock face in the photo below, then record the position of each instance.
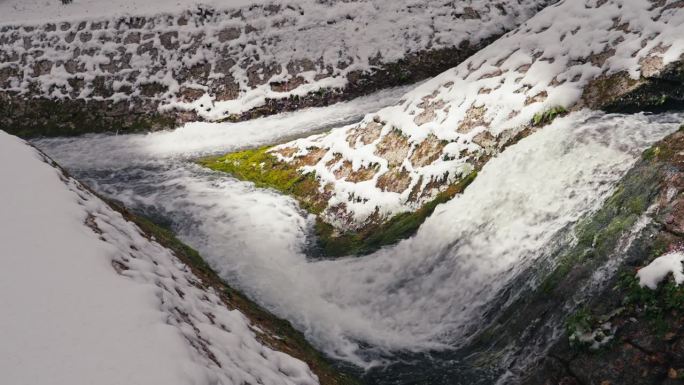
(637, 333)
(240, 63)
(614, 54)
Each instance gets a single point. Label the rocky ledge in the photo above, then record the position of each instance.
(374, 182)
(586, 315)
(627, 332)
(148, 72)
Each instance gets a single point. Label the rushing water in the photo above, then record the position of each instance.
(425, 294)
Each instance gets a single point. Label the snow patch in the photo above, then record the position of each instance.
(671, 263)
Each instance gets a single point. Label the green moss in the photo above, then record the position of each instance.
(400, 226)
(264, 170)
(579, 322)
(598, 235)
(651, 153)
(655, 305)
(548, 116)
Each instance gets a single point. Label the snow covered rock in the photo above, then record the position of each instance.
(670, 263)
(89, 298)
(571, 55)
(197, 62)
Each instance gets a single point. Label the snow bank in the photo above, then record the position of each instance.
(651, 275)
(215, 62)
(569, 55)
(69, 318)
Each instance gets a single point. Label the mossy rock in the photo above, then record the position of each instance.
(546, 117)
(266, 171)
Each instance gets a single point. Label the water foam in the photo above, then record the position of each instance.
(425, 292)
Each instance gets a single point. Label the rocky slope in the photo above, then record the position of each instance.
(388, 172)
(92, 293)
(629, 330)
(131, 72)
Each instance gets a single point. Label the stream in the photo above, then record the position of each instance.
(397, 314)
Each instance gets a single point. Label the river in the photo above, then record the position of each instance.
(405, 305)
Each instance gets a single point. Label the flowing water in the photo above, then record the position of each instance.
(422, 297)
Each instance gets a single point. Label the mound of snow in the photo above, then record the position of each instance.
(671, 263)
(88, 298)
(570, 55)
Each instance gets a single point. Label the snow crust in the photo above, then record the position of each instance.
(661, 267)
(226, 60)
(471, 111)
(69, 318)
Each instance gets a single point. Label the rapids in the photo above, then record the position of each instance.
(427, 293)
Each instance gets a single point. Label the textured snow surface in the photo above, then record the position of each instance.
(671, 263)
(445, 127)
(69, 318)
(223, 61)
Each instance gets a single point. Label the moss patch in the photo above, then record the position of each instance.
(373, 237)
(654, 305)
(264, 170)
(548, 116)
(598, 235)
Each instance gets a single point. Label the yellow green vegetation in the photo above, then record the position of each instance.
(548, 116)
(264, 170)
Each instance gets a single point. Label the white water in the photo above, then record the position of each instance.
(425, 292)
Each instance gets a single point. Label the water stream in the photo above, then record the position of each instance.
(425, 295)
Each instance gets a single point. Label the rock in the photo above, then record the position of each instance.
(294, 50)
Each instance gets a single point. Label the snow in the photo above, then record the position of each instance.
(41, 11)
(661, 267)
(594, 339)
(478, 106)
(269, 43)
(69, 318)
